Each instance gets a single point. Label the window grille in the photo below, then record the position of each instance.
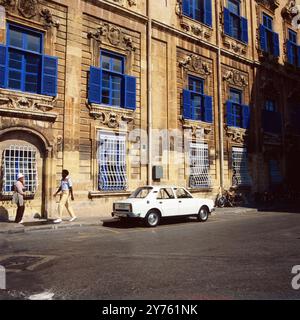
(112, 162)
(199, 166)
(240, 165)
(19, 159)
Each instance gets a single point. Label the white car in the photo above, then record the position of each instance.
(151, 203)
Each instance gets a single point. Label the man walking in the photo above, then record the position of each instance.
(66, 194)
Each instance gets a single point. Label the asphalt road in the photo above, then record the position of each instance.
(248, 256)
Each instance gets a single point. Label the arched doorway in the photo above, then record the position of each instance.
(23, 151)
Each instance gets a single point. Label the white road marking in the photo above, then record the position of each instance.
(42, 296)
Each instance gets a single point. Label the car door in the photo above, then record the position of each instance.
(186, 203)
(167, 203)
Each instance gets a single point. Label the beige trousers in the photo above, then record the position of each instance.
(65, 201)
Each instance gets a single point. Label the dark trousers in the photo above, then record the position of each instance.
(20, 213)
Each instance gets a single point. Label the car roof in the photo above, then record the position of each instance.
(156, 187)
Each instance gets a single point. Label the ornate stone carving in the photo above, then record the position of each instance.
(28, 8)
(198, 30)
(113, 35)
(109, 117)
(195, 63)
(235, 77)
(234, 45)
(48, 18)
(130, 2)
(26, 106)
(8, 3)
(198, 128)
(269, 4)
(237, 135)
(291, 12)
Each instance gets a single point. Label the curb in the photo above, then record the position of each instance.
(62, 226)
(233, 211)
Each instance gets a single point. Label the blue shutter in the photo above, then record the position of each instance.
(227, 29)
(289, 49)
(229, 116)
(187, 104)
(298, 56)
(244, 29)
(246, 116)
(186, 7)
(95, 84)
(3, 56)
(208, 109)
(276, 51)
(208, 12)
(130, 92)
(263, 38)
(49, 76)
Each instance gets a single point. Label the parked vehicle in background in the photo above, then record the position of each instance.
(151, 203)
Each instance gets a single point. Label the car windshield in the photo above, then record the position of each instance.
(141, 192)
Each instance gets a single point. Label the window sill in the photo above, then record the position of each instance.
(103, 194)
(197, 190)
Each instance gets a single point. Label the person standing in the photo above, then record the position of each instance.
(66, 194)
(18, 197)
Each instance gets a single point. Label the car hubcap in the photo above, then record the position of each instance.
(152, 219)
(203, 214)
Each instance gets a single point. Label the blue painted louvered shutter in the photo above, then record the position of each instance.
(229, 115)
(246, 116)
(244, 29)
(208, 108)
(186, 7)
(3, 54)
(276, 51)
(95, 84)
(298, 56)
(187, 104)
(49, 76)
(208, 12)
(227, 28)
(289, 49)
(263, 38)
(130, 92)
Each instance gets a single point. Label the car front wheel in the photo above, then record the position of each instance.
(203, 214)
(152, 219)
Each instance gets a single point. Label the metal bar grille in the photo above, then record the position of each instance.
(240, 165)
(19, 159)
(199, 166)
(112, 162)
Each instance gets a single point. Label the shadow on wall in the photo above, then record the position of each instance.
(4, 217)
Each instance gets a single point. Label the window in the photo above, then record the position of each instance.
(141, 193)
(165, 194)
(19, 159)
(23, 66)
(235, 25)
(270, 105)
(110, 85)
(238, 115)
(199, 166)
(269, 40)
(293, 51)
(240, 166)
(200, 10)
(196, 105)
(112, 162)
(182, 194)
(275, 172)
(271, 117)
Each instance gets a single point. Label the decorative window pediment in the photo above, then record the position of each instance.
(269, 4)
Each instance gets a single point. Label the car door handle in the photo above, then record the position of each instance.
(180, 201)
(160, 202)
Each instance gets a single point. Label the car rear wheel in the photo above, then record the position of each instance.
(152, 219)
(203, 214)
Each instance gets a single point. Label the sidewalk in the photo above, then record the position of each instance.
(42, 225)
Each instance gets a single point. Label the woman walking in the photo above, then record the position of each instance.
(18, 197)
(66, 194)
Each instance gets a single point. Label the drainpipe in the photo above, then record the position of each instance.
(149, 91)
(220, 102)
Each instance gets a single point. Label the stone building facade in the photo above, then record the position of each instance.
(114, 89)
